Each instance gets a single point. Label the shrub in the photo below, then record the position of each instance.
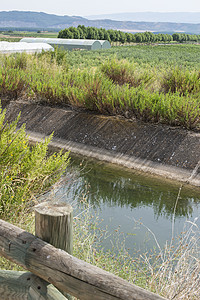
(117, 87)
(25, 171)
(124, 72)
(181, 81)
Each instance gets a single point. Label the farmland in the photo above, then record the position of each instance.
(157, 56)
(15, 36)
(150, 83)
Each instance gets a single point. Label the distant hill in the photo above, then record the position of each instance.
(40, 20)
(174, 17)
(36, 19)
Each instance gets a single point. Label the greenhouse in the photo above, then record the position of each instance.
(16, 47)
(70, 44)
(105, 44)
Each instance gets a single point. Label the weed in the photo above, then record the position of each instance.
(25, 171)
(181, 81)
(124, 72)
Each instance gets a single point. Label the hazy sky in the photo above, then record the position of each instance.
(89, 7)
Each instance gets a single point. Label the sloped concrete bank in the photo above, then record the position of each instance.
(158, 149)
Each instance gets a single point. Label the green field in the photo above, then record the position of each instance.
(15, 36)
(159, 83)
(152, 55)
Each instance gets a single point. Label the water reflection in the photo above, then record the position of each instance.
(118, 188)
(121, 197)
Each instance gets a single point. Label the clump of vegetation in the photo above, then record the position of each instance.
(124, 72)
(26, 171)
(12, 81)
(167, 95)
(181, 81)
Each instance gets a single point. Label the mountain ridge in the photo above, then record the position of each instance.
(41, 20)
(172, 17)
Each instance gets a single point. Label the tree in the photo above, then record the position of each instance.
(92, 33)
(112, 35)
(122, 37)
(176, 37)
(129, 37)
(148, 37)
(65, 34)
(139, 38)
(83, 28)
(101, 34)
(75, 32)
(107, 36)
(117, 32)
(81, 33)
(169, 38)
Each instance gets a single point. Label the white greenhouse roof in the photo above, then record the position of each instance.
(70, 43)
(105, 44)
(14, 47)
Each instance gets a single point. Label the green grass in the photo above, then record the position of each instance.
(16, 36)
(185, 55)
(29, 34)
(150, 92)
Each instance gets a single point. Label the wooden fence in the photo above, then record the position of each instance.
(52, 269)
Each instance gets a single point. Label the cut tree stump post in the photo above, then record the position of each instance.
(54, 225)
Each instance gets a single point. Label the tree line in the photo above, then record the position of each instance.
(94, 33)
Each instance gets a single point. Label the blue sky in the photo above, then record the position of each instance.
(89, 7)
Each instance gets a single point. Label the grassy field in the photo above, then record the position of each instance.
(15, 36)
(157, 56)
(150, 83)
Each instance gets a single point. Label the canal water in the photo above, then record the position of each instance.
(142, 207)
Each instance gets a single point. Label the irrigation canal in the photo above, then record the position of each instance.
(129, 202)
(138, 203)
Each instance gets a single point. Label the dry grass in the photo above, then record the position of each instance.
(175, 271)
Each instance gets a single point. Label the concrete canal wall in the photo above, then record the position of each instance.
(157, 149)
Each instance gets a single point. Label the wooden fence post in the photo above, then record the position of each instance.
(64, 271)
(54, 225)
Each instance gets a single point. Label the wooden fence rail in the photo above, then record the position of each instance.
(65, 272)
(26, 286)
